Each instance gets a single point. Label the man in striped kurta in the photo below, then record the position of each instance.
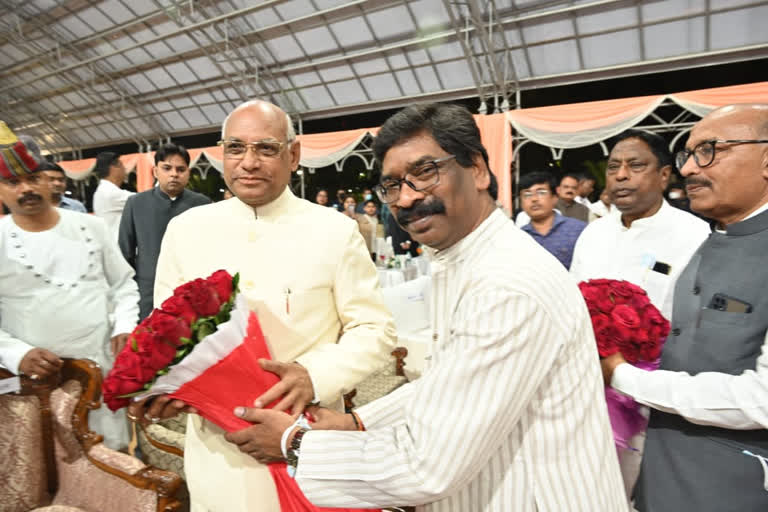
(509, 414)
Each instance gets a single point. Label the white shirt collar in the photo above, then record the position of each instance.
(268, 211)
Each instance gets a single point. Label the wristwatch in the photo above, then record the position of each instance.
(292, 460)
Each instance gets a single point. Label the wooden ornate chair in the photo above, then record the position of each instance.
(52, 462)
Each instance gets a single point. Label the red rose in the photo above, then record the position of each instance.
(114, 386)
(623, 289)
(631, 352)
(625, 317)
(605, 335)
(169, 328)
(650, 351)
(221, 282)
(179, 307)
(154, 354)
(200, 296)
(600, 282)
(136, 364)
(597, 299)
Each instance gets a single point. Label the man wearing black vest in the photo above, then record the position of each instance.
(707, 444)
(146, 215)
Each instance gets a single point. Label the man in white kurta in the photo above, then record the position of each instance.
(642, 240)
(109, 199)
(508, 414)
(66, 289)
(307, 273)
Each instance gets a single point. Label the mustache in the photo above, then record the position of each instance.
(697, 180)
(30, 197)
(420, 209)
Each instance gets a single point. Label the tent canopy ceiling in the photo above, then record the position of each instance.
(79, 74)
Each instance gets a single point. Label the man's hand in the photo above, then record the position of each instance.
(118, 342)
(609, 364)
(295, 387)
(328, 419)
(160, 408)
(39, 363)
(262, 439)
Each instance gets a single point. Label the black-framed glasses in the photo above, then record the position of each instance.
(423, 177)
(704, 152)
(236, 149)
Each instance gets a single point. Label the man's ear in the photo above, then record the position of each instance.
(295, 155)
(480, 173)
(764, 163)
(154, 171)
(666, 172)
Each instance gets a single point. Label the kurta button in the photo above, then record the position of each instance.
(29, 267)
(14, 235)
(696, 290)
(676, 331)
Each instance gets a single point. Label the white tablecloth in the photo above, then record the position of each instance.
(412, 269)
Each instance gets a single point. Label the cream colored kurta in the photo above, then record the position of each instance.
(306, 271)
(69, 290)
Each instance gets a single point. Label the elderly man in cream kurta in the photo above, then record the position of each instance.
(306, 272)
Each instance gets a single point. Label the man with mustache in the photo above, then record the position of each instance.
(707, 443)
(507, 415)
(147, 214)
(61, 279)
(567, 192)
(643, 240)
(306, 272)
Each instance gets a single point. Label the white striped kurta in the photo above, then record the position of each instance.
(509, 414)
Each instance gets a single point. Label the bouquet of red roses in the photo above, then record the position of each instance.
(625, 321)
(203, 347)
(168, 335)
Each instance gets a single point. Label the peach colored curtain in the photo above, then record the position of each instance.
(496, 134)
(581, 124)
(703, 101)
(323, 149)
(78, 169)
(129, 160)
(144, 178)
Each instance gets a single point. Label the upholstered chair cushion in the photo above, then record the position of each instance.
(23, 483)
(59, 508)
(170, 432)
(380, 383)
(83, 485)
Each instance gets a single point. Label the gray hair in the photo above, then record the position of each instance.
(290, 132)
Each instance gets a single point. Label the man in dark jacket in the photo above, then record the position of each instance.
(146, 215)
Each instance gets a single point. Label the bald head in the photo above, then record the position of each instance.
(266, 110)
(752, 116)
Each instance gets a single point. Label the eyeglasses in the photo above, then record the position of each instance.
(236, 150)
(704, 152)
(539, 193)
(421, 178)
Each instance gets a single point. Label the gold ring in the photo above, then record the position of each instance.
(34, 376)
(131, 417)
(150, 418)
